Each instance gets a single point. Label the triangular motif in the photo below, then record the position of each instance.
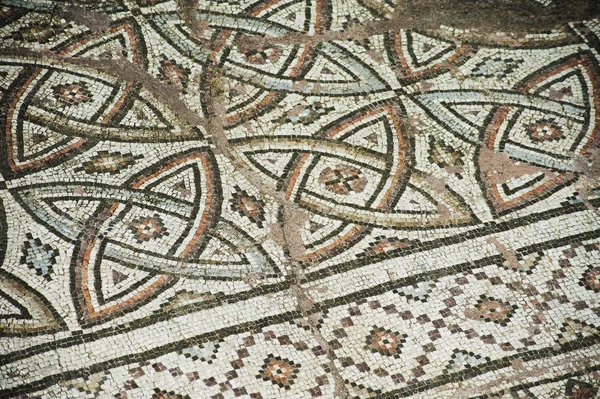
(443, 206)
(24, 310)
(11, 309)
(325, 69)
(474, 114)
(291, 15)
(424, 50)
(415, 200)
(120, 41)
(143, 114)
(97, 303)
(297, 15)
(78, 210)
(568, 87)
(373, 134)
(118, 280)
(508, 191)
(180, 183)
(220, 250)
(270, 163)
(319, 230)
(39, 141)
(417, 54)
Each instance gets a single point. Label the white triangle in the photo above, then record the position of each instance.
(142, 115)
(414, 201)
(8, 309)
(180, 183)
(8, 74)
(219, 251)
(426, 49)
(117, 46)
(297, 10)
(324, 227)
(32, 314)
(325, 70)
(516, 184)
(474, 113)
(569, 90)
(240, 92)
(372, 136)
(38, 141)
(274, 162)
(78, 210)
(110, 287)
(268, 59)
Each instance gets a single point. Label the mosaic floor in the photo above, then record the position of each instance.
(295, 199)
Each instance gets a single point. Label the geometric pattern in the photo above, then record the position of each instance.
(297, 198)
